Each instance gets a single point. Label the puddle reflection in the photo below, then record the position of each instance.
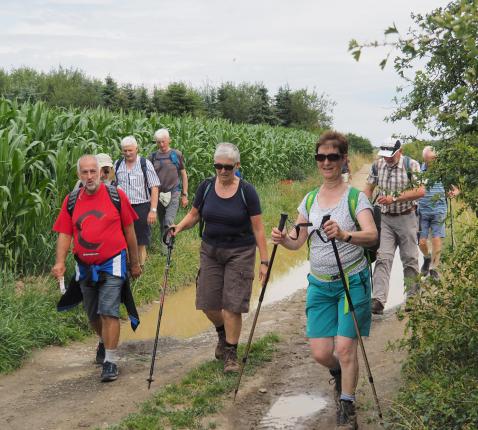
(288, 411)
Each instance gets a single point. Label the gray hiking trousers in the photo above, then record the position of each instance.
(396, 231)
(166, 215)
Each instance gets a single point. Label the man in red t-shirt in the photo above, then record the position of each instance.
(100, 235)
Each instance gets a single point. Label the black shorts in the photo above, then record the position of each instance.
(141, 226)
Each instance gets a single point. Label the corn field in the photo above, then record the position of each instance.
(40, 145)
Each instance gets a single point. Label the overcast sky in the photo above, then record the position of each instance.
(154, 42)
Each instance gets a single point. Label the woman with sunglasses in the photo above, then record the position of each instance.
(330, 327)
(230, 211)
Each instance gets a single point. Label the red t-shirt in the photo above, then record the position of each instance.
(96, 225)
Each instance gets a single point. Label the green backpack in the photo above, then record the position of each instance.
(370, 252)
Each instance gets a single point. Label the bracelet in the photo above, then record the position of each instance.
(153, 210)
(349, 238)
(265, 262)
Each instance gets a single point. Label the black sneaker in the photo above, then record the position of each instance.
(425, 266)
(110, 372)
(434, 275)
(100, 353)
(337, 381)
(377, 307)
(347, 418)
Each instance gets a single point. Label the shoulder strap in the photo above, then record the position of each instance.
(310, 200)
(142, 161)
(118, 163)
(353, 202)
(152, 157)
(72, 198)
(173, 156)
(114, 196)
(209, 183)
(243, 194)
(408, 169)
(374, 169)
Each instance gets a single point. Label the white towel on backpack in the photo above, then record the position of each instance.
(165, 198)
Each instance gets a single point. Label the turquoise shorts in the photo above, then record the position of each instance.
(325, 302)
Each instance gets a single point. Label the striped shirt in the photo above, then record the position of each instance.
(392, 180)
(132, 181)
(434, 199)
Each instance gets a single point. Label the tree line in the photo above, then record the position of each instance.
(239, 103)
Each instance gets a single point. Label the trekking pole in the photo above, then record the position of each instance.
(352, 311)
(169, 241)
(451, 227)
(283, 219)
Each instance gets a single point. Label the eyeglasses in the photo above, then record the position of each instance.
(331, 157)
(219, 166)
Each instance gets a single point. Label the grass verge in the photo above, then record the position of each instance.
(187, 404)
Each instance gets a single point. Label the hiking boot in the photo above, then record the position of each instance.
(100, 353)
(337, 381)
(377, 307)
(347, 418)
(425, 266)
(110, 372)
(231, 365)
(434, 275)
(221, 344)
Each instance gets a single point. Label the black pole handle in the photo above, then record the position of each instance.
(170, 241)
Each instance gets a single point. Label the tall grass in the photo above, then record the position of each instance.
(39, 147)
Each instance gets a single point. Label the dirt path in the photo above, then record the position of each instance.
(59, 388)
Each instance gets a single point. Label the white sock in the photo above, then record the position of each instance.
(111, 355)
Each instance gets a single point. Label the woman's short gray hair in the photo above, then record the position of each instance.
(129, 141)
(162, 132)
(229, 151)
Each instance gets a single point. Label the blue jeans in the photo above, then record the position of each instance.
(434, 221)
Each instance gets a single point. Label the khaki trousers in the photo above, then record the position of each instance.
(396, 231)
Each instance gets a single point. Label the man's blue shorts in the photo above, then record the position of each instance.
(325, 307)
(104, 299)
(434, 221)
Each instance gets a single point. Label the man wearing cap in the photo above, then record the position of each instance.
(106, 167)
(392, 174)
(169, 166)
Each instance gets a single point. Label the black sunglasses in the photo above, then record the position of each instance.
(219, 166)
(330, 157)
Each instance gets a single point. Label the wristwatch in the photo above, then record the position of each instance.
(394, 199)
(153, 210)
(349, 238)
(184, 194)
(265, 262)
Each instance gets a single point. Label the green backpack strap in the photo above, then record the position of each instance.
(353, 202)
(309, 200)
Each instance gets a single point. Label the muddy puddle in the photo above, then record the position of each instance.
(182, 320)
(289, 411)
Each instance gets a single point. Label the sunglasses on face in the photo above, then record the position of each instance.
(330, 157)
(219, 166)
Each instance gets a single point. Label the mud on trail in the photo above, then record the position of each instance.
(59, 387)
